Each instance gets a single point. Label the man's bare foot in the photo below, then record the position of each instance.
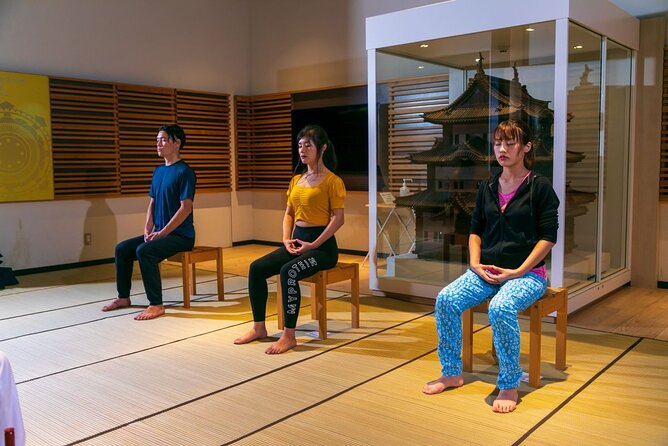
(442, 383)
(506, 401)
(121, 302)
(258, 331)
(285, 343)
(151, 312)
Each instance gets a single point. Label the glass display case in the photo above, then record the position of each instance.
(442, 77)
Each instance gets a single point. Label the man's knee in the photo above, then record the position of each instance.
(123, 248)
(145, 253)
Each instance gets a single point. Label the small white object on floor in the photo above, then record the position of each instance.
(315, 334)
(525, 377)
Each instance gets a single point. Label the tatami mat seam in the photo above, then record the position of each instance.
(111, 316)
(577, 391)
(227, 275)
(253, 378)
(599, 330)
(142, 350)
(329, 398)
(342, 392)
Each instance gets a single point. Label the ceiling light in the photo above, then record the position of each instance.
(577, 47)
(420, 67)
(424, 45)
(530, 29)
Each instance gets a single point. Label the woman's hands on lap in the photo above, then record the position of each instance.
(298, 247)
(494, 274)
(291, 245)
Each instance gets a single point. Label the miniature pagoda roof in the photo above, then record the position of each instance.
(506, 97)
(473, 151)
(439, 199)
(427, 198)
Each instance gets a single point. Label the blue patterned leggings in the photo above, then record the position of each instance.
(507, 301)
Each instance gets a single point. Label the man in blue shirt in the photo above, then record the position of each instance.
(169, 225)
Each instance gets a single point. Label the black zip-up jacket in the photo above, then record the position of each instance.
(509, 237)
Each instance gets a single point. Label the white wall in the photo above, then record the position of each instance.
(199, 45)
(202, 45)
(229, 46)
(301, 45)
(298, 44)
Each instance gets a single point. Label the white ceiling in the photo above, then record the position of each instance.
(640, 8)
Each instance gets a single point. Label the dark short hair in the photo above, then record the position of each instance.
(174, 132)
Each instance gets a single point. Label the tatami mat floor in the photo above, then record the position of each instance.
(87, 377)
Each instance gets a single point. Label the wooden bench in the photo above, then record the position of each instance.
(188, 259)
(319, 282)
(554, 299)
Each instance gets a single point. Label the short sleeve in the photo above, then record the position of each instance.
(152, 191)
(293, 181)
(337, 193)
(188, 184)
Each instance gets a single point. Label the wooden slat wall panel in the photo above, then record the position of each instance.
(104, 136)
(264, 141)
(408, 133)
(663, 181)
(85, 150)
(205, 117)
(141, 111)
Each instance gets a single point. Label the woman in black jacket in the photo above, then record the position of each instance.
(513, 227)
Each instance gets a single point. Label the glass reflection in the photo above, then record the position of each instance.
(434, 130)
(582, 156)
(616, 157)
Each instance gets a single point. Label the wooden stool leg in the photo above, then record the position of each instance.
(314, 303)
(321, 304)
(355, 296)
(467, 340)
(534, 345)
(279, 304)
(220, 276)
(560, 340)
(194, 279)
(185, 267)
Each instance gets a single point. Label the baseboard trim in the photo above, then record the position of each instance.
(64, 266)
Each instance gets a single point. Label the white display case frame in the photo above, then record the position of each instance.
(458, 17)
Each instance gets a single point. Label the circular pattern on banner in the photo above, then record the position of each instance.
(24, 152)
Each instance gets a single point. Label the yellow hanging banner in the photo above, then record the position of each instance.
(26, 165)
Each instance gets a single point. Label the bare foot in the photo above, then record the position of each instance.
(285, 343)
(442, 383)
(121, 302)
(258, 331)
(151, 312)
(506, 401)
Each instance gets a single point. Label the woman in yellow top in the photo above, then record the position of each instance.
(314, 213)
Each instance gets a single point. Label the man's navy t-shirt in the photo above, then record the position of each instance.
(170, 185)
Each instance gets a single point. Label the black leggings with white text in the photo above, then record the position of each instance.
(291, 269)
